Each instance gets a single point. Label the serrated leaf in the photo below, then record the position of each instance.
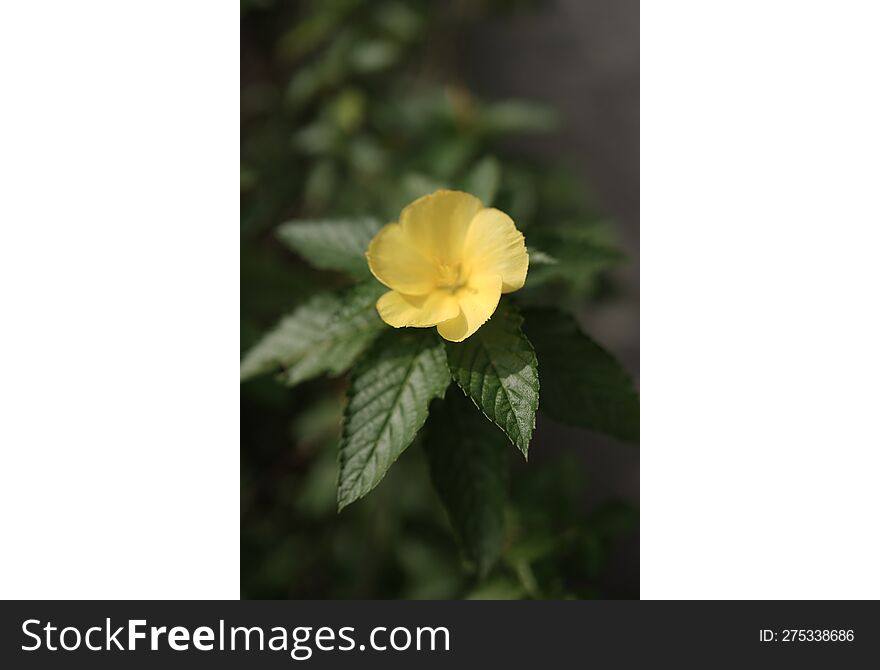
(332, 244)
(466, 460)
(496, 367)
(581, 383)
(483, 180)
(387, 404)
(325, 335)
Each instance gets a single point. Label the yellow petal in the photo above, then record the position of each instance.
(397, 263)
(437, 224)
(495, 246)
(477, 302)
(399, 310)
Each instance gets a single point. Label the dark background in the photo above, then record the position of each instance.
(581, 60)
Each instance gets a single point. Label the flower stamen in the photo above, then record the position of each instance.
(450, 277)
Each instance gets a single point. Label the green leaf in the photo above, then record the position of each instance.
(570, 255)
(374, 55)
(518, 116)
(321, 183)
(501, 588)
(466, 459)
(400, 20)
(484, 179)
(496, 367)
(387, 404)
(332, 244)
(581, 383)
(324, 335)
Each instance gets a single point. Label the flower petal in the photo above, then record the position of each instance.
(477, 302)
(495, 246)
(437, 224)
(397, 263)
(399, 310)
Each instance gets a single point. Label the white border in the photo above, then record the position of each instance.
(760, 231)
(120, 292)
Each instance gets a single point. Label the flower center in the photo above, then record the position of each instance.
(450, 277)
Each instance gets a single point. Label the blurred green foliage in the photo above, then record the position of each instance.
(352, 108)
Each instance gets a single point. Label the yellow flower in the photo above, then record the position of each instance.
(447, 262)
